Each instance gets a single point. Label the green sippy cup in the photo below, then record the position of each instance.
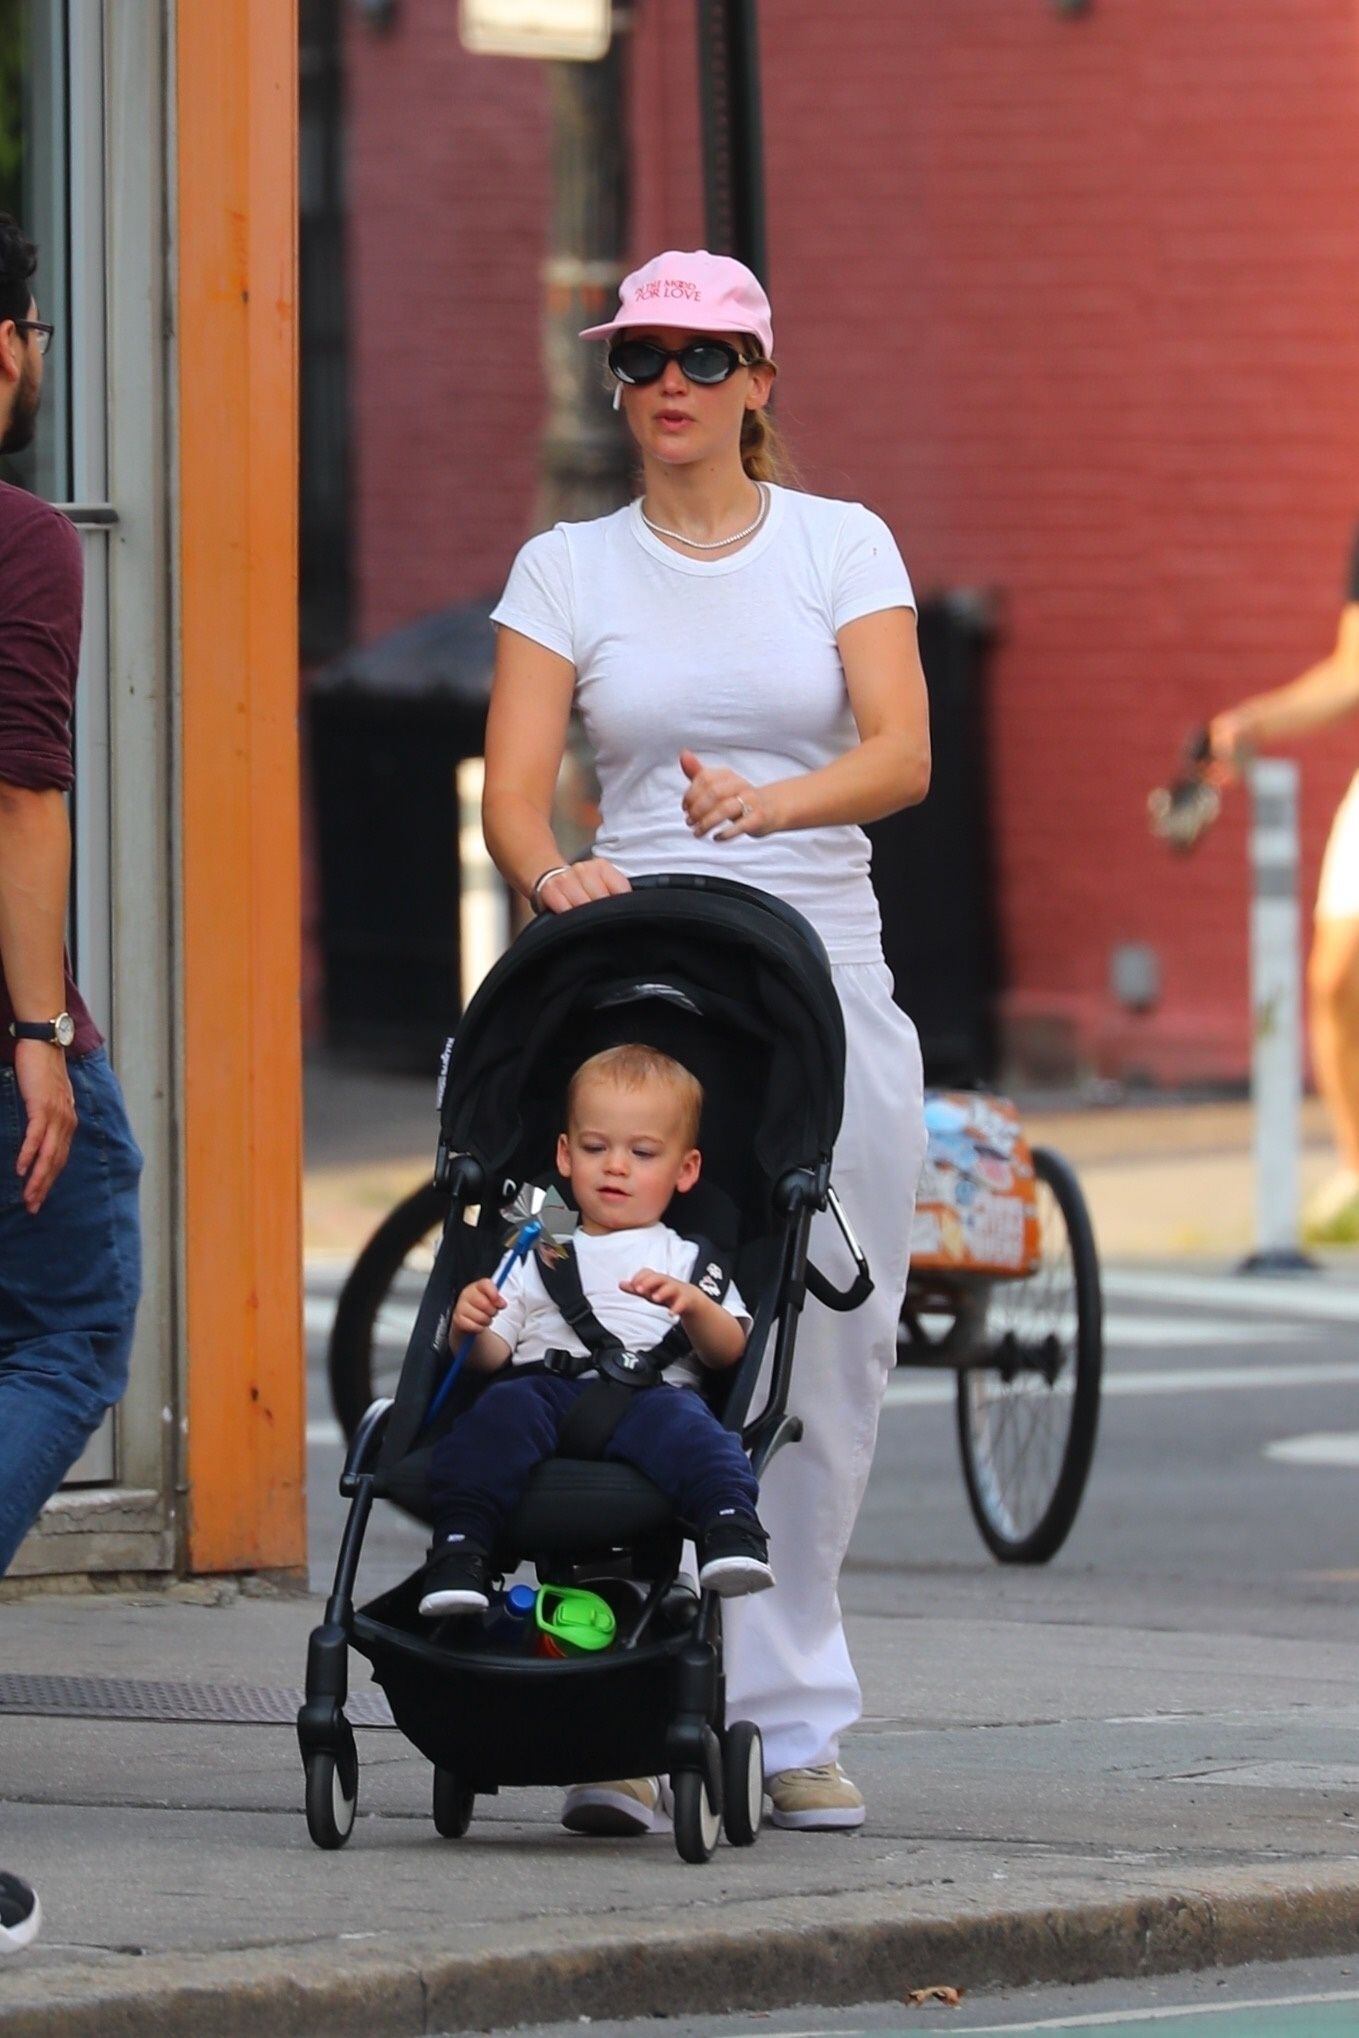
(572, 1621)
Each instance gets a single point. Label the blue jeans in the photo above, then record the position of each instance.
(70, 1279)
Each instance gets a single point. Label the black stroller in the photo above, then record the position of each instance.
(736, 986)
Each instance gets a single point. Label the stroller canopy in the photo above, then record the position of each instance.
(728, 980)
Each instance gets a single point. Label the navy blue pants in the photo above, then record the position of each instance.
(480, 1469)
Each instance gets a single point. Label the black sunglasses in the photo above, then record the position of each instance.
(707, 362)
(41, 331)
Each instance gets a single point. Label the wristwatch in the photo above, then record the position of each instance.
(58, 1032)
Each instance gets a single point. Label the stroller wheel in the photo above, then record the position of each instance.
(698, 1820)
(330, 1804)
(453, 1802)
(742, 1783)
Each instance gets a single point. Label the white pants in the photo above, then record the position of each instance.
(787, 1660)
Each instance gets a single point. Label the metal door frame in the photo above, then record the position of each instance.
(120, 172)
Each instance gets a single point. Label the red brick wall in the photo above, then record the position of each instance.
(447, 198)
(1071, 301)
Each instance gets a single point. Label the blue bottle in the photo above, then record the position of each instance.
(509, 1622)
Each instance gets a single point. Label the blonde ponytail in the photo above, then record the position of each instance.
(764, 455)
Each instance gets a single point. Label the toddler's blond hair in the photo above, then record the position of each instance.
(634, 1067)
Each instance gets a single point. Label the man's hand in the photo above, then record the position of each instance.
(477, 1307)
(720, 803)
(45, 1086)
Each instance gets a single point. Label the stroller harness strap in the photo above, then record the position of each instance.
(592, 1421)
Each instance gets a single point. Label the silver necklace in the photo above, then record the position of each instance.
(711, 544)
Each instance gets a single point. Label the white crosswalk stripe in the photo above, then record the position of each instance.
(938, 1388)
(1336, 1450)
(1173, 1333)
(1126, 1330)
(1295, 1298)
(394, 1325)
(1272, 1312)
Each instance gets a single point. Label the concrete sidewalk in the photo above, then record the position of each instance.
(1165, 1178)
(1069, 1775)
(1087, 1794)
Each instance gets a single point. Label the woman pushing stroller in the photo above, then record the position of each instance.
(743, 656)
(629, 1146)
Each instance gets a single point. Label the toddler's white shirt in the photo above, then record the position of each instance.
(532, 1325)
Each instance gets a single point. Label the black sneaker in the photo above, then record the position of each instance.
(733, 1555)
(20, 1913)
(454, 1579)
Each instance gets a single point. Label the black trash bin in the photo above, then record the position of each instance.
(387, 727)
(932, 865)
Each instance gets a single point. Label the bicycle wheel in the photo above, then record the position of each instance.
(1028, 1413)
(376, 1308)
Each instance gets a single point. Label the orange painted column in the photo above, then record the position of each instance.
(236, 238)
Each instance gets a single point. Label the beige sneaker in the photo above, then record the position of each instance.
(634, 1804)
(1332, 1213)
(817, 1800)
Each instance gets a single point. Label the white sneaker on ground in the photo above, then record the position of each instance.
(819, 1799)
(619, 1810)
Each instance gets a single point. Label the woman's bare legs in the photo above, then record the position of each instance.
(1333, 1004)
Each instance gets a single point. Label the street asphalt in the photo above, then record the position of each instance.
(1289, 1999)
(1138, 1760)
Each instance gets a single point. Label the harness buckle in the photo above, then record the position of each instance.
(568, 1365)
(630, 1369)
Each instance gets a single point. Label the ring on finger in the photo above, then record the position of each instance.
(743, 807)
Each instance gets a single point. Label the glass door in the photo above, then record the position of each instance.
(34, 126)
(52, 182)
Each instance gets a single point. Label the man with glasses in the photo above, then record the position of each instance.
(70, 1260)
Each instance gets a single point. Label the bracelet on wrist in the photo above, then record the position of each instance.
(536, 894)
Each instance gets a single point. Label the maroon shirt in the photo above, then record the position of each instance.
(41, 577)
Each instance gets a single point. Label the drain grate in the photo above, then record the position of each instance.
(134, 1698)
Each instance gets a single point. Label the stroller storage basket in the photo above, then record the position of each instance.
(502, 1718)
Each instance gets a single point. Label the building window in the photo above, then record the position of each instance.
(324, 395)
(34, 101)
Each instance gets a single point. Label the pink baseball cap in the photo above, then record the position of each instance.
(700, 292)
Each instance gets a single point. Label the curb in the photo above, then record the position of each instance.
(823, 1951)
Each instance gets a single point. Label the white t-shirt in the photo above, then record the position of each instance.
(733, 658)
(532, 1325)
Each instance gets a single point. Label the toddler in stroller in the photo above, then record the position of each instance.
(735, 987)
(604, 1346)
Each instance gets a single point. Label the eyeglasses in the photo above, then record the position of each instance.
(42, 332)
(706, 362)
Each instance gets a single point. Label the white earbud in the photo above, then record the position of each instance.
(618, 396)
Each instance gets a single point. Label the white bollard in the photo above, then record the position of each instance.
(1276, 1016)
(484, 911)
